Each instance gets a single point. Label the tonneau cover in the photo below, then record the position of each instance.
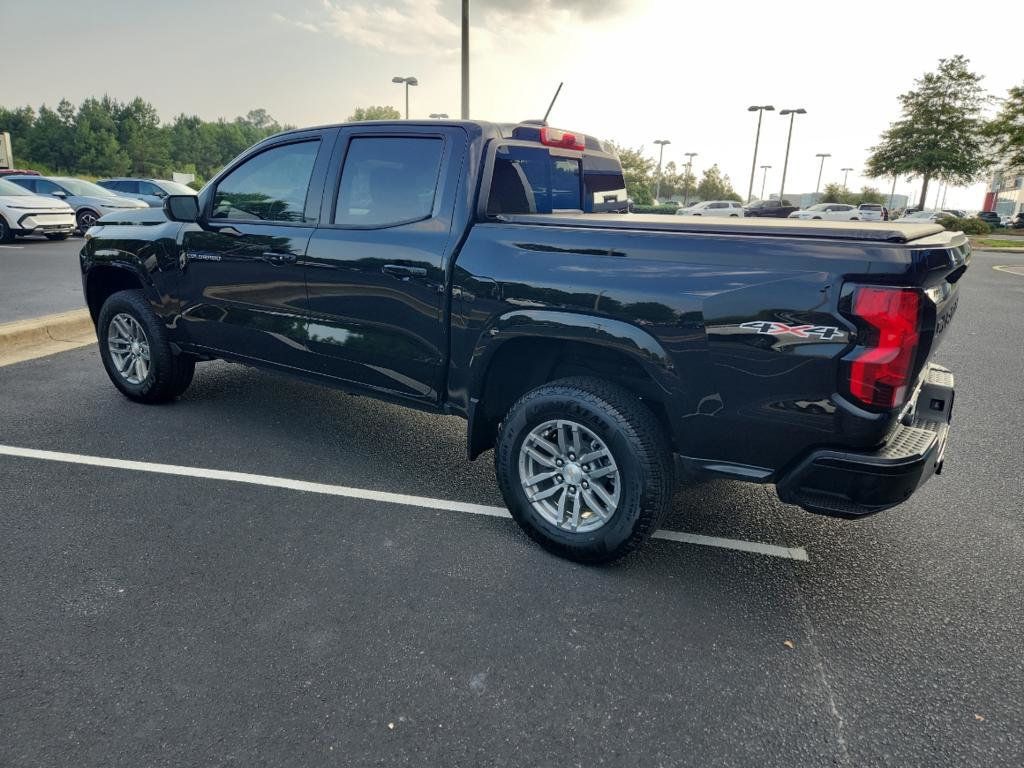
(872, 231)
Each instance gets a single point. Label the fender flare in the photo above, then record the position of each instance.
(616, 335)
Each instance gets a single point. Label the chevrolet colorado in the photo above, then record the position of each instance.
(471, 268)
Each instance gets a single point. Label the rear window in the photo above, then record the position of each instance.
(870, 207)
(528, 180)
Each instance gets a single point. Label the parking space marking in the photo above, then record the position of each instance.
(13, 247)
(1012, 269)
(772, 550)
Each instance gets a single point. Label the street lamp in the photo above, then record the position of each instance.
(785, 165)
(438, 115)
(821, 168)
(408, 81)
(689, 173)
(846, 175)
(757, 139)
(661, 151)
(764, 178)
(465, 59)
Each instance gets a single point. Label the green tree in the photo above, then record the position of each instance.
(139, 134)
(835, 193)
(97, 149)
(939, 134)
(374, 113)
(715, 186)
(1006, 131)
(19, 123)
(638, 171)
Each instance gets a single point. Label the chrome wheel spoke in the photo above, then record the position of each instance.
(561, 477)
(129, 348)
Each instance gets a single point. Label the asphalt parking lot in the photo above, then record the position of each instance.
(39, 277)
(150, 618)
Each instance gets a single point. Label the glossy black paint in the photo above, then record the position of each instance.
(417, 313)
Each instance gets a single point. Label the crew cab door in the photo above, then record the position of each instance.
(376, 269)
(242, 285)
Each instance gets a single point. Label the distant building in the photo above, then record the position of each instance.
(1005, 194)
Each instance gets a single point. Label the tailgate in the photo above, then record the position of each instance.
(943, 269)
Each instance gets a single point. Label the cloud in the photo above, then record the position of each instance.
(419, 27)
(305, 25)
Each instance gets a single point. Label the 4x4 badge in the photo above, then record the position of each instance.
(771, 328)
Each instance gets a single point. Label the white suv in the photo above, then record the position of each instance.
(23, 213)
(713, 208)
(871, 211)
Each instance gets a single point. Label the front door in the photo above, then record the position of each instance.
(376, 271)
(243, 285)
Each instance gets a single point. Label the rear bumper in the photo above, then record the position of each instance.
(853, 484)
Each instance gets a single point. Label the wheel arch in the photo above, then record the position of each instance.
(104, 280)
(525, 349)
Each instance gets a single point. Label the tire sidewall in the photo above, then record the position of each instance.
(120, 303)
(632, 476)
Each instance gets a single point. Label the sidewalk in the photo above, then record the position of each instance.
(42, 336)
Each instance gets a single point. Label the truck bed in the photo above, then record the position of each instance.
(865, 231)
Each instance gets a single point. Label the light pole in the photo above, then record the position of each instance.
(785, 165)
(408, 81)
(465, 59)
(764, 178)
(438, 115)
(689, 174)
(846, 175)
(757, 140)
(661, 152)
(821, 168)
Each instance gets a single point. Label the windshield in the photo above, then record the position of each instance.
(84, 188)
(10, 189)
(174, 188)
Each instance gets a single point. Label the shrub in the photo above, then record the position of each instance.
(967, 226)
(666, 209)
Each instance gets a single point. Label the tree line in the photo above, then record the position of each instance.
(107, 137)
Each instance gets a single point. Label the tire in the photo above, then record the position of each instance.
(165, 375)
(6, 235)
(85, 219)
(61, 236)
(634, 442)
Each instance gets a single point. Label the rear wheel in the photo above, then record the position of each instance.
(584, 468)
(6, 235)
(136, 353)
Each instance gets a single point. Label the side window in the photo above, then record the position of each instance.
(149, 188)
(45, 187)
(271, 186)
(388, 180)
(131, 187)
(529, 180)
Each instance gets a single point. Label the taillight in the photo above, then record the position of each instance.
(553, 137)
(880, 375)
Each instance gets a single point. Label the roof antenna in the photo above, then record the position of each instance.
(552, 104)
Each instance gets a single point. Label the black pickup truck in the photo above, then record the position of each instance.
(467, 268)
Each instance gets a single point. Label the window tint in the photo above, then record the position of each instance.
(271, 186)
(388, 180)
(528, 180)
(131, 187)
(46, 187)
(149, 188)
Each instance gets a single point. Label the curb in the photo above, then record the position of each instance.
(39, 336)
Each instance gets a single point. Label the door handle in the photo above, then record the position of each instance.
(400, 270)
(280, 258)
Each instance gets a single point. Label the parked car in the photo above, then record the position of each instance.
(920, 216)
(828, 212)
(150, 191)
(1018, 221)
(991, 218)
(872, 212)
(17, 172)
(770, 208)
(89, 200)
(458, 267)
(728, 208)
(25, 213)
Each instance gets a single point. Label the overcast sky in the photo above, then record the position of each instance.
(634, 70)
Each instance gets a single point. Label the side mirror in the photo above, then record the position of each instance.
(60, 193)
(184, 208)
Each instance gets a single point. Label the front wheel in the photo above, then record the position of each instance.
(136, 352)
(86, 219)
(584, 468)
(6, 235)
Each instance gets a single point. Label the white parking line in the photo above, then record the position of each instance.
(13, 247)
(1012, 269)
(791, 553)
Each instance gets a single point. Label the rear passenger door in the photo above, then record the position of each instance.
(377, 264)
